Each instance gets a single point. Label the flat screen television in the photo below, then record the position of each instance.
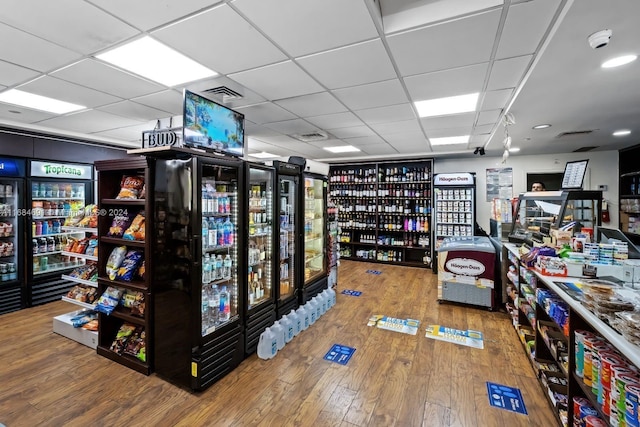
(573, 176)
(211, 126)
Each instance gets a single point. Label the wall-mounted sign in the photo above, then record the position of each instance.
(162, 138)
(463, 178)
(60, 170)
(11, 167)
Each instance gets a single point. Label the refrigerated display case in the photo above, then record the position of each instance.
(315, 236)
(12, 295)
(333, 231)
(454, 211)
(289, 236)
(259, 283)
(58, 192)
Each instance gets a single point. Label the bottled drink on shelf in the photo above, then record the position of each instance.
(225, 305)
(226, 267)
(205, 310)
(218, 266)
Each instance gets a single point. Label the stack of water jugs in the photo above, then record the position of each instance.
(282, 331)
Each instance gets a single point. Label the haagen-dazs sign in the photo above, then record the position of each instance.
(465, 266)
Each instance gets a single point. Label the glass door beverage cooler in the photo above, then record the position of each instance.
(259, 284)
(12, 212)
(198, 316)
(289, 236)
(315, 236)
(58, 196)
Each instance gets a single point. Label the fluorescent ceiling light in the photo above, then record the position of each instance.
(543, 126)
(263, 155)
(620, 60)
(342, 149)
(38, 102)
(514, 149)
(449, 140)
(622, 132)
(155, 61)
(448, 105)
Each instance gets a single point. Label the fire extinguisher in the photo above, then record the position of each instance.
(605, 212)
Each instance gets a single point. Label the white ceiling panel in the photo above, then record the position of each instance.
(148, 14)
(89, 121)
(134, 110)
(364, 141)
(405, 126)
(265, 113)
(304, 27)
(312, 105)
(443, 133)
(358, 64)
(482, 129)
(232, 44)
(372, 95)
(508, 72)
(399, 140)
(129, 133)
(74, 24)
(448, 122)
(488, 117)
(278, 139)
(11, 74)
(23, 115)
(335, 121)
(290, 127)
(65, 91)
(525, 25)
(453, 44)
(278, 81)
(439, 84)
(479, 139)
(392, 113)
(352, 132)
(168, 100)
(379, 149)
(260, 132)
(496, 99)
(100, 76)
(33, 52)
(248, 97)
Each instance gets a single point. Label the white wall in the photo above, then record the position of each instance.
(602, 170)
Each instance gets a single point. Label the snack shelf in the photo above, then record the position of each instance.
(119, 241)
(79, 229)
(128, 202)
(125, 360)
(80, 303)
(135, 285)
(58, 198)
(53, 270)
(136, 320)
(91, 283)
(50, 217)
(47, 253)
(55, 234)
(77, 255)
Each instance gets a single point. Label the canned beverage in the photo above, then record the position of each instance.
(44, 263)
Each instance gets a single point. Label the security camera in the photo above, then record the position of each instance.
(599, 39)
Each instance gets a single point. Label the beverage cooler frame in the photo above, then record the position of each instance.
(315, 247)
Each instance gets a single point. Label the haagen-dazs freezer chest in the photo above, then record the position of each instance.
(466, 271)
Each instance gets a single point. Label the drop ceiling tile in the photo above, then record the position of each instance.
(278, 81)
(447, 122)
(134, 110)
(148, 14)
(496, 99)
(304, 27)
(443, 133)
(352, 132)
(479, 139)
(439, 84)
(100, 76)
(508, 73)
(482, 129)
(277, 139)
(260, 132)
(488, 117)
(266, 112)
(33, 52)
(128, 133)
(393, 113)
(372, 95)
(525, 26)
(379, 149)
(451, 44)
(232, 44)
(248, 97)
(65, 91)
(385, 129)
(12, 74)
(358, 64)
(24, 115)
(77, 25)
(364, 141)
(315, 104)
(290, 127)
(413, 138)
(335, 121)
(168, 100)
(89, 121)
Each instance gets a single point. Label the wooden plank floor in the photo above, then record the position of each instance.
(392, 379)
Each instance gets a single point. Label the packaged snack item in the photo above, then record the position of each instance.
(143, 192)
(91, 326)
(130, 187)
(141, 271)
(81, 246)
(128, 298)
(114, 261)
(83, 293)
(119, 224)
(92, 247)
(83, 318)
(138, 305)
(136, 229)
(135, 343)
(109, 300)
(129, 265)
(122, 336)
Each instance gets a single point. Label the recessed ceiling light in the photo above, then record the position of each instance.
(448, 105)
(543, 126)
(622, 132)
(155, 61)
(514, 149)
(342, 149)
(38, 102)
(263, 155)
(618, 61)
(450, 140)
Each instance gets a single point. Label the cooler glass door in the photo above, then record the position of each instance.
(287, 208)
(314, 230)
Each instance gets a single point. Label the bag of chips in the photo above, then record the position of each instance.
(91, 326)
(119, 224)
(114, 261)
(125, 331)
(109, 300)
(129, 265)
(136, 229)
(138, 305)
(130, 187)
(141, 271)
(83, 318)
